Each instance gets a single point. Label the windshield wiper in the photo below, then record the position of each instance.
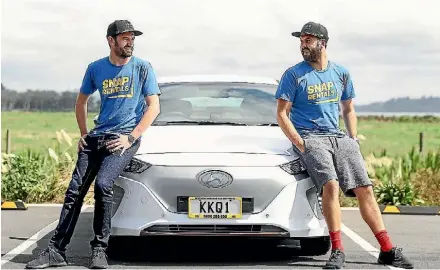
(165, 123)
(221, 123)
(268, 124)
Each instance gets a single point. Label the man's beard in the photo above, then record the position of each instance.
(124, 52)
(313, 55)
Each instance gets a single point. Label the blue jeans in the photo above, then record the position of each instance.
(94, 161)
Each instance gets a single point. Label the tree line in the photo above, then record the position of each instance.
(48, 100)
(404, 104)
(43, 100)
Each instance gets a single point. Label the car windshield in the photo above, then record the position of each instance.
(217, 103)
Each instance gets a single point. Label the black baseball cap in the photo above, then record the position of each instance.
(121, 26)
(314, 29)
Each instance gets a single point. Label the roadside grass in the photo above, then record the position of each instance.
(36, 130)
(397, 138)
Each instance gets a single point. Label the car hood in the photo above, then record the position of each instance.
(215, 139)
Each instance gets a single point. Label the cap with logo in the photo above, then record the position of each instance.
(121, 26)
(314, 29)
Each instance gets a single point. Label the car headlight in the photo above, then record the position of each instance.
(293, 167)
(137, 166)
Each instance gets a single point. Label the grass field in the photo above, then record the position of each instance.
(37, 130)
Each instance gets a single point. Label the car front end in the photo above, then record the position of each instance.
(215, 163)
(216, 192)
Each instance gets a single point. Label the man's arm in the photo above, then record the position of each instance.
(149, 116)
(86, 90)
(348, 113)
(285, 96)
(81, 112)
(283, 108)
(349, 116)
(151, 91)
(146, 121)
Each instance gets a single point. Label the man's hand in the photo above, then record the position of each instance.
(82, 143)
(301, 146)
(357, 140)
(120, 143)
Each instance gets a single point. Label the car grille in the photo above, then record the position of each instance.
(212, 230)
(182, 205)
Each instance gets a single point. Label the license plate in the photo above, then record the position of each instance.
(215, 207)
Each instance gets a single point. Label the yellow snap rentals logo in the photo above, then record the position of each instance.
(120, 85)
(322, 93)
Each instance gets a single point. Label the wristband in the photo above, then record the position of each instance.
(131, 138)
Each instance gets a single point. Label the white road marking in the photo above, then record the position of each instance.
(350, 208)
(362, 243)
(50, 205)
(33, 239)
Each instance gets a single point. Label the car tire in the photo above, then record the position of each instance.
(316, 246)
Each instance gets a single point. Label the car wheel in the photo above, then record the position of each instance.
(315, 246)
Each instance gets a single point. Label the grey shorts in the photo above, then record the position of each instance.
(335, 158)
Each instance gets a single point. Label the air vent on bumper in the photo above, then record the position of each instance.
(215, 230)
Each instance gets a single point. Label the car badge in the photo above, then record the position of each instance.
(214, 178)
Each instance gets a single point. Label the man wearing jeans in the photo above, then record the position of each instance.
(308, 96)
(130, 102)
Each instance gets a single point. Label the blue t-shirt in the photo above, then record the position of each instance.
(315, 96)
(123, 90)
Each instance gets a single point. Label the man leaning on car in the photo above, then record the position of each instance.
(311, 92)
(130, 103)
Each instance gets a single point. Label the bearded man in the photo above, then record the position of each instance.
(309, 97)
(129, 104)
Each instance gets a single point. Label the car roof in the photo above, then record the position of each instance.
(217, 78)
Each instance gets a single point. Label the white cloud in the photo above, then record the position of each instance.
(392, 48)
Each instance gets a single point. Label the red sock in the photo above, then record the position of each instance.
(335, 237)
(384, 240)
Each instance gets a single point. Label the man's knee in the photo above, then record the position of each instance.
(331, 188)
(364, 192)
(103, 188)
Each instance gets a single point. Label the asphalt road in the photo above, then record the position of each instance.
(419, 236)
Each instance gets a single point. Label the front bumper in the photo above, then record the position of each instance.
(294, 212)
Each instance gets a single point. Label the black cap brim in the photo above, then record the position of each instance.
(137, 33)
(299, 34)
(296, 34)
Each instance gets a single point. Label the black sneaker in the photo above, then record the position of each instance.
(98, 259)
(48, 258)
(395, 258)
(336, 260)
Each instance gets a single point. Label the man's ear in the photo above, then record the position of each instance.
(111, 40)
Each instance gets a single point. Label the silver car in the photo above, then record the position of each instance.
(215, 163)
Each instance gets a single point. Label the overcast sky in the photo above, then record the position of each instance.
(391, 48)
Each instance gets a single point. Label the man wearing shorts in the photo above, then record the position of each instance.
(129, 104)
(309, 95)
